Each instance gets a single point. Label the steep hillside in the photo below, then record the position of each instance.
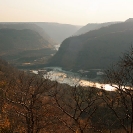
(92, 26)
(54, 33)
(95, 49)
(31, 26)
(22, 46)
(57, 31)
(11, 40)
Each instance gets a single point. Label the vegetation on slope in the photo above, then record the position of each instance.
(30, 26)
(27, 103)
(95, 49)
(24, 46)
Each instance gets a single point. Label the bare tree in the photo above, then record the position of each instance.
(77, 106)
(120, 102)
(27, 102)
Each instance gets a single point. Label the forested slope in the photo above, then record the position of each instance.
(95, 49)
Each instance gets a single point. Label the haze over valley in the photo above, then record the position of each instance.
(96, 49)
(66, 66)
(35, 45)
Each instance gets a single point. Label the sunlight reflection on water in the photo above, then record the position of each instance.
(73, 79)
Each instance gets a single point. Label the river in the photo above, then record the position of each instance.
(72, 78)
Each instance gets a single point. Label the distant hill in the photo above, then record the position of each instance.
(31, 26)
(26, 39)
(95, 49)
(129, 20)
(92, 26)
(54, 33)
(58, 32)
(22, 46)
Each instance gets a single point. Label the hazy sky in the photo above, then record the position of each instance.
(78, 12)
